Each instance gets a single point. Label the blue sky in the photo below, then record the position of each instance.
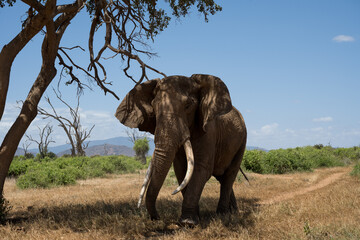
(292, 69)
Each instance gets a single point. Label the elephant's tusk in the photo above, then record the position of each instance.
(146, 182)
(190, 166)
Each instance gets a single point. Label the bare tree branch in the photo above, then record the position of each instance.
(72, 126)
(44, 139)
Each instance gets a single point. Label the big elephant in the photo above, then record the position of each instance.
(196, 129)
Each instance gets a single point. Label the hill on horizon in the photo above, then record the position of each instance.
(111, 146)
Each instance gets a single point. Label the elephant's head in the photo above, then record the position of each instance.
(171, 108)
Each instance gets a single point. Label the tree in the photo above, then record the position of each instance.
(134, 134)
(128, 22)
(44, 140)
(74, 131)
(25, 145)
(141, 148)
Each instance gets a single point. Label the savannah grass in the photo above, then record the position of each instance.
(105, 208)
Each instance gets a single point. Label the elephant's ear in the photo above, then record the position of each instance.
(135, 111)
(215, 98)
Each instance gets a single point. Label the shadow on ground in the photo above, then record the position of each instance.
(124, 218)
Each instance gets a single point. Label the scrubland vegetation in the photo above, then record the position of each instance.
(282, 161)
(51, 171)
(308, 200)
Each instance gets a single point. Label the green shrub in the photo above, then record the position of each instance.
(356, 170)
(277, 162)
(63, 171)
(299, 159)
(324, 158)
(45, 176)
(19, 166)
(29, 155)
(253, 161)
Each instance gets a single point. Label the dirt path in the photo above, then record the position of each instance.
(321, 184)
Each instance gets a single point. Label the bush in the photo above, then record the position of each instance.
(299, 159)
(65, 171)
(19, 166)
(253, 161)
(29, 155)
(324, 157)
(277, 162)
(44, 176)
(51, 155)
(356, 171)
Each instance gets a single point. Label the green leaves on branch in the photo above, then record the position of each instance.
(157, 18)
(8, 2)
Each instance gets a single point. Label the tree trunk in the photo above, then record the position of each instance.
(143, 158)
(11, 50)
(26, 116)
(29, 109)
(49, 50)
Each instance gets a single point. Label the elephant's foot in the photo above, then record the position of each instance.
(230, 209)
(189, 221)
(154, 217)
(190, 216)
(227, 207)
(153, 213)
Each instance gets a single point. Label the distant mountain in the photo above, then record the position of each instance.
(114, 146)
(21, 151)
(255, 148)
(119, 141)
(105, 150)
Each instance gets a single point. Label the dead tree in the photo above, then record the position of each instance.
(74, 131)
(44, 139)
(25, 146)
(134, 134)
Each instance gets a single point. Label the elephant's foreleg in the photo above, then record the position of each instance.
(190, 207)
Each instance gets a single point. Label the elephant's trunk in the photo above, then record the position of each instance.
(160, 166)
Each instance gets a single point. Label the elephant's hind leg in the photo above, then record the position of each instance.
(227, 202)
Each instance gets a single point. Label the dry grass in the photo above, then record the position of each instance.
(325, 205)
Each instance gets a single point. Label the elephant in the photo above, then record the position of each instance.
(196, 129)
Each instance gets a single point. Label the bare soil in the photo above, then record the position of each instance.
(324, 204)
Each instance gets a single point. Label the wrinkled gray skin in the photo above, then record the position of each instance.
(179, 108)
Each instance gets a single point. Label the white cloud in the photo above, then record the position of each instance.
(317, 129)
(266, 130)
(269, 129)
(323, 119)
(343, 38)
(290, 131)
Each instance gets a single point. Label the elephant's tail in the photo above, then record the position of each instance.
(244, 175)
